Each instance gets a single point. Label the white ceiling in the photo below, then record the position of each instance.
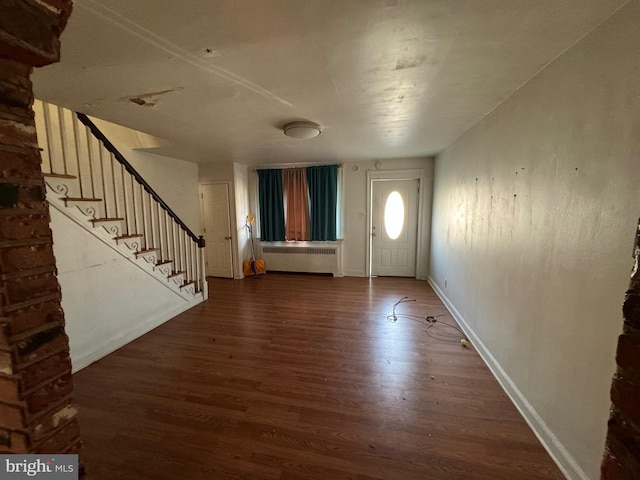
(385, 78)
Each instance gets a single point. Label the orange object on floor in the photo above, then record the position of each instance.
(254, 267)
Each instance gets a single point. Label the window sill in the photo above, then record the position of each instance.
(302, 243)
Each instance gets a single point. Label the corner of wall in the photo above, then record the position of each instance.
(563, 459)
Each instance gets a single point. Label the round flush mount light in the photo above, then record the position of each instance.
(302, 130)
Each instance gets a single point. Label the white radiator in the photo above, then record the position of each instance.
(306, 259)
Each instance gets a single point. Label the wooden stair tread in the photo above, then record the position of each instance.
(187, 284)
(81, 199)
(147, 250)
(164, 262)
(59, 175)
(176, 274)
(126, 237)
(115, 219)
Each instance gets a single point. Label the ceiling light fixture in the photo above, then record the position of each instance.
(302, 130)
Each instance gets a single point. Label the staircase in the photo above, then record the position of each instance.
(91, 183)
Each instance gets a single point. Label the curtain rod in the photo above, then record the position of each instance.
(289, 166)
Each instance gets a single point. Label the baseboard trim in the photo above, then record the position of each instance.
(83, 360)
(563, 459)
(354, 273)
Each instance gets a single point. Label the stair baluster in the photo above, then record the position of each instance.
(93, 176)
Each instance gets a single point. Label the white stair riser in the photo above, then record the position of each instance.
(106, 231)
(91, 209)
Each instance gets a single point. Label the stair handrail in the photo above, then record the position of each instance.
(199, 239)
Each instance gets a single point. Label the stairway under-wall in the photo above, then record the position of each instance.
(126, 261)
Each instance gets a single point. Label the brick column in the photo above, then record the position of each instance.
(37, 414)
(622, 452)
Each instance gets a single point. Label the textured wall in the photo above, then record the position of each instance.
(535, 210)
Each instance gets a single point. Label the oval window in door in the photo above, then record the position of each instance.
(394, 215)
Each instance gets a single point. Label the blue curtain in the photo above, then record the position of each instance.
(323, 200)
(271, 205)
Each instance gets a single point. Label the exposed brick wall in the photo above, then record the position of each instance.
(622, 453)
(37, 414)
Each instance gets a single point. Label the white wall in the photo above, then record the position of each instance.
(356, 234)
(107, 300)
(535, 211)
(216, 172)
(174, 180)
(242, 209)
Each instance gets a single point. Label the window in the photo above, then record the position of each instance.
(299, 203)
(394, 215)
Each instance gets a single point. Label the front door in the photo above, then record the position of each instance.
(217, 230)
(394, 228)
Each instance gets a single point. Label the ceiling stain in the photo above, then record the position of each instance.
(126, 24)
(142, 102)
(409, 62)
(149, 99)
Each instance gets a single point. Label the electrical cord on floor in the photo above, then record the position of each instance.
(432, 320)
(402, 300)
(464, 341)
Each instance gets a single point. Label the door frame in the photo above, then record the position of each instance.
(232, 209)
(386, 175)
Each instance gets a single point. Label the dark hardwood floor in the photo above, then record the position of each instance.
(299, 377)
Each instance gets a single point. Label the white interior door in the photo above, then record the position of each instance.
(217, 230)
(394, 228)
